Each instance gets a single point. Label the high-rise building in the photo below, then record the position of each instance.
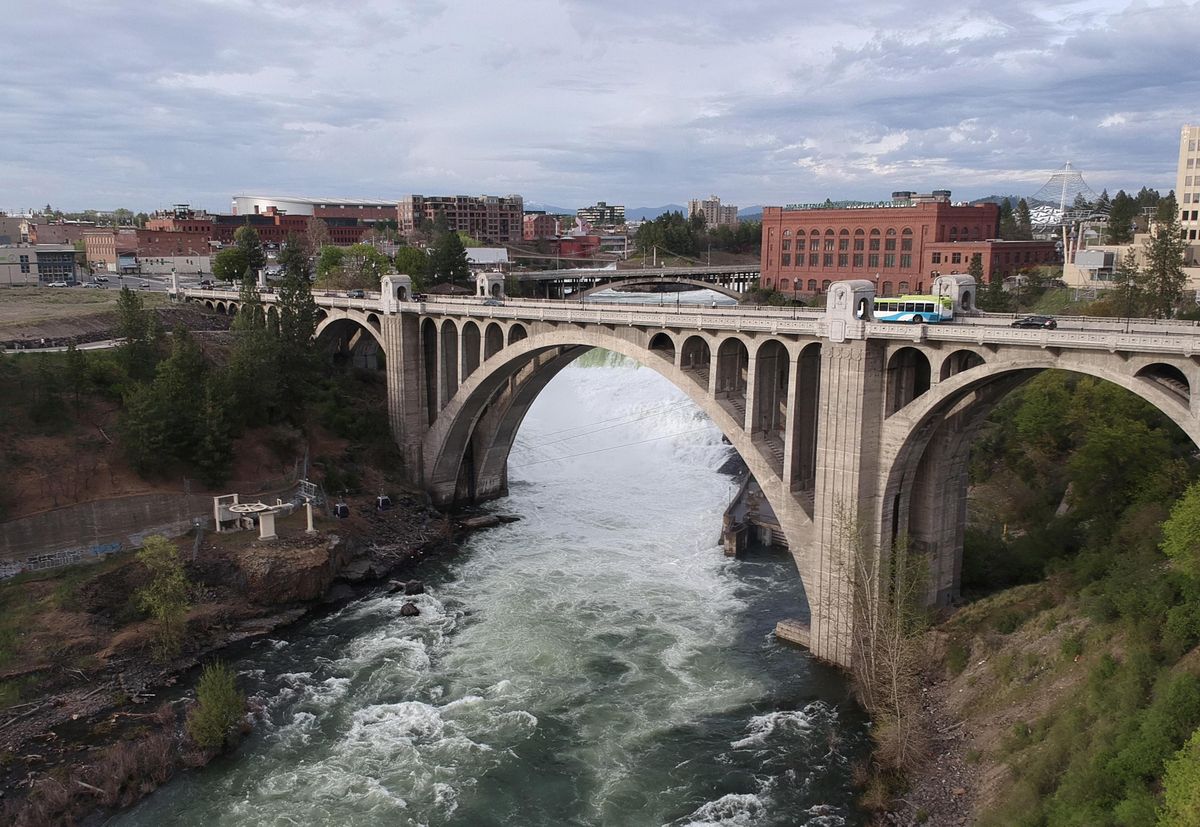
(714, 214)
(602, 214)
(489, 218)
(1187, 183)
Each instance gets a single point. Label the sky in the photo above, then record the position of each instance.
(566, 102)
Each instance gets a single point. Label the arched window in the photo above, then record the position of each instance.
(829, 241)
(954, 233)
(812, 285)
(844, 241)
(815, 244)
(825, 285)
(769, 283)
(787, 233)
(903, 287)
(906, 239)
(889, 243)
(783, 285)
(887, 288)
(874, 246)
(799, 233)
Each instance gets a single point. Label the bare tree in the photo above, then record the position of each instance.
(888, 618)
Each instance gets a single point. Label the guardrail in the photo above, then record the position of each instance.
(1093, 333)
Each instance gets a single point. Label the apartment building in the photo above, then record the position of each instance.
(489, 218)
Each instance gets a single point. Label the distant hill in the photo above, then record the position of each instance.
(998, 199)
(751, 213)
(651, 213)
(549, 208)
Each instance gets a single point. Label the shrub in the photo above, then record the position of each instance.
(219, 706)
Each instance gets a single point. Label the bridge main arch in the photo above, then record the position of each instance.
(927, 443)
(466, 449)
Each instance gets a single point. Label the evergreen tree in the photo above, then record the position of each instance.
(247, 241)
(975, 268)
(77, 372)
(179, 388)
(214, 456)
(1163, 278)
(297, 326)
(1103, 202)
(143, 431)
(253, 362)
(1127, 287)
(1008, 222)
(1024, 221)
(450, 259)
(1120, 218)
(139, 331)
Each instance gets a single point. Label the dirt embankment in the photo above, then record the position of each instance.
(83, 725)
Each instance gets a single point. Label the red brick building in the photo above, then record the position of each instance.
(539, 226)
(900, 245)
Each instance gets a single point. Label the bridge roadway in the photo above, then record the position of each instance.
(843, 421)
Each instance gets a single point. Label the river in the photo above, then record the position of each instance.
(597, 663)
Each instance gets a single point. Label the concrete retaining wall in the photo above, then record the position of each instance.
(89, 530)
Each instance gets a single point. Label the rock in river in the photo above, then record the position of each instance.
(409, 610)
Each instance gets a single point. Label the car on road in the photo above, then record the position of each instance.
(355, 294)
(93, 285)
(493, 303)
(1042, 322)
(100, 279)
(206, 284)
(57, 284)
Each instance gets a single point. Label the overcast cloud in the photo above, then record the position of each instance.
(143, 104)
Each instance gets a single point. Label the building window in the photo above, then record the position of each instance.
(889, 244)
(954, 233)
(903, 287)
(828, 260)
(815, 244)
(829, 240)
(799, 259)
(858, 240)
(812, 285)
(858, 259)
(825, 284)
(887, 288)
(874, 239)
(785, 259)
(889, 259)
(906, 241)
(843, 244)
(956, 258)
(786, 244)
(843, 259)
(873, 260)
(906, 261)
(783, 284)
(936, 258)
(787, 233)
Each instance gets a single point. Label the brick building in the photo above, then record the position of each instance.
(900, 244)
(489, 218)
(539, 226)
(113, 251)
(59, 232)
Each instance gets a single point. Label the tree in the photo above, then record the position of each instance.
(219, 706)
(253, 362)
(363, 266)
(246, 239)
(975, 268)
(413, 263)
(329, 264)
(316, 236)
(77, 372)
(1181, 787)
(1181, 533)
(230, 265)
(165, 598)
(143, 430)
(1023, 221)
(179, 388)
(1120, 218)
(1127, 286)
(1163, 278)
(297, 326)
(214, 456)
(449, 260)
(1008, 222)
(139, 331)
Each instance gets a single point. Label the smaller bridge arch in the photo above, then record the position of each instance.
(659, 281)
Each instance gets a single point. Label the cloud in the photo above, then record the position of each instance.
(570, 101)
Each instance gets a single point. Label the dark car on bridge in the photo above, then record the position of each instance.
(1042, 322)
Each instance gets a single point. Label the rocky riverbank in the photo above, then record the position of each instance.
(103, 725)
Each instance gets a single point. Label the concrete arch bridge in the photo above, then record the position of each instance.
(835, 414)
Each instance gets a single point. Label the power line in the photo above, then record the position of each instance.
(611, 448)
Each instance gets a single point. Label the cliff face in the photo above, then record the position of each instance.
(295, 571)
